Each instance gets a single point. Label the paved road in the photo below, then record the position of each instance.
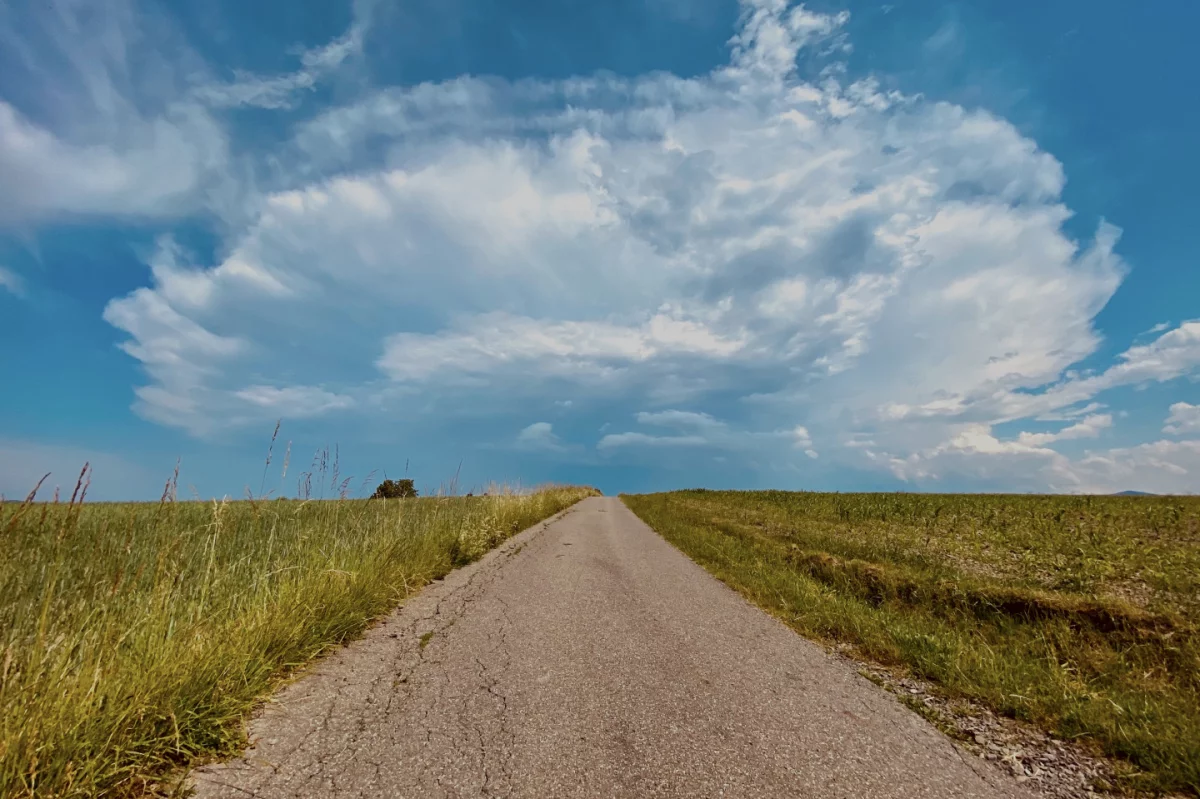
(589, 658)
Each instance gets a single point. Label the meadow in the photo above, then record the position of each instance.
(1076, 614)
(135, 638)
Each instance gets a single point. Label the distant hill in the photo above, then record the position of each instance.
(1134, 494)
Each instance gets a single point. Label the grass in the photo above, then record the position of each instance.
(136, 637)
(1078, 614)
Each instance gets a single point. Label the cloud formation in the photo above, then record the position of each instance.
(1184, 420)
(11, 282)
(122, 142)
(539, 436)
(807, 269)
(139, 128)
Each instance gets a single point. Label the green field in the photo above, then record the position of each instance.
(1078, 614)
(136, 637)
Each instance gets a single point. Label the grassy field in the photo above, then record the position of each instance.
(136, 637)
(1078, 614)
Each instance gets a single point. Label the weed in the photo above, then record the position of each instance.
(1078, 614)
(136, 637)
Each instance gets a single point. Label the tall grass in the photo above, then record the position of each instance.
(1077, 614)
(136, 637)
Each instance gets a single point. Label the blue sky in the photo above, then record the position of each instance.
(642, 244)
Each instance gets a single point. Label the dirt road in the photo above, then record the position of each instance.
(589, 658)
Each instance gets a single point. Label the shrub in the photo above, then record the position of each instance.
(395, 489)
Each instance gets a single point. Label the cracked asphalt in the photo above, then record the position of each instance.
(586, 657)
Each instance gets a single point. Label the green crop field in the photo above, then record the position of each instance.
(1078, 614)
(136, 637)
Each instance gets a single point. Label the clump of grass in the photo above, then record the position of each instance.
(1078, 614)
(137, 636)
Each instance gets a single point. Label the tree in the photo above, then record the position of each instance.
(395, 489)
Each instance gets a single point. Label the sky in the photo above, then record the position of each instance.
(639, 244)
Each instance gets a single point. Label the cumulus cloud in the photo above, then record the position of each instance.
(1089, 427)
(679, 419)
(539, 436)
(495, 342)
(614, 440)
(1160, 467)
(764, 249)
(1173, 354)
(690, 429)
(804, 441)
(1184, 419)
(974, 458)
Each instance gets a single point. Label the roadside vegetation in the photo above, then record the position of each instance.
(1078, 614)
(136, 637)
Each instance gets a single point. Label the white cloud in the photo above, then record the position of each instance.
(946, 42)
(679, 419)
(539, 436)
(125, 119)
(108, 151)
(696, 430)
(703, 430)
(179, 355)
(976, 459)
(803, 439)
(497, 342)
(155, 171)
(770, 35)
(295, 402)
(281, 91)
(614, 440)
(1067, 414)
(1184, 419)
(1089, 427)
(11, 282)
(1160, 467)
(257, 91)
(1172, 355)
(754, 246)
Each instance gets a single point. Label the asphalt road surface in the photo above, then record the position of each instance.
(586, 657)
